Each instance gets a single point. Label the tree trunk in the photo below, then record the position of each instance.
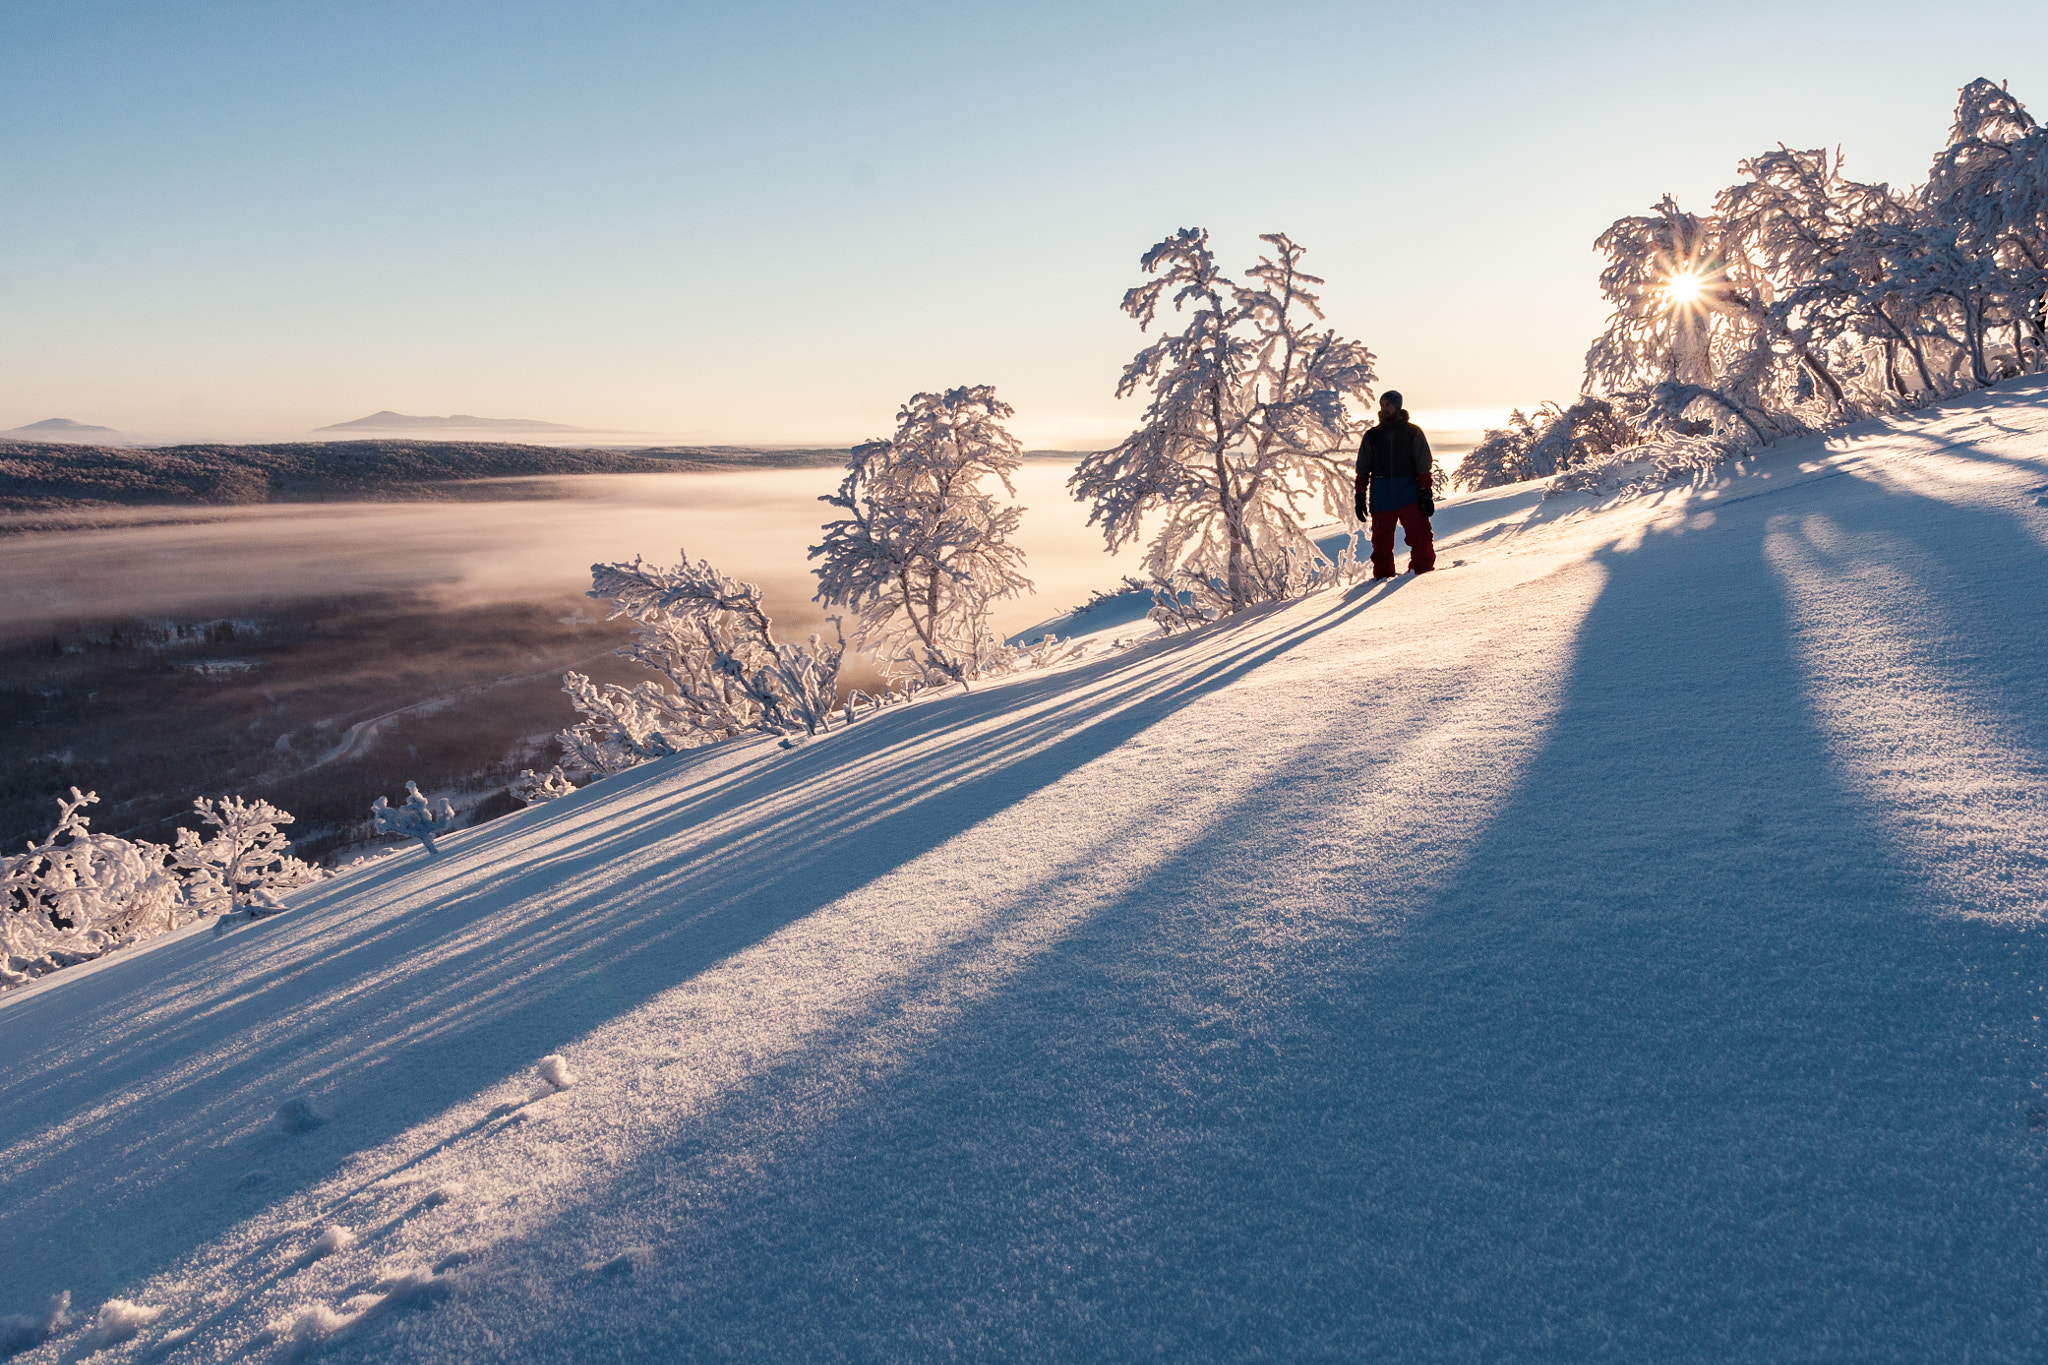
(1912, 349)
(1226, 491)
(1233, 533)
(1973, 331)
(1819, 371)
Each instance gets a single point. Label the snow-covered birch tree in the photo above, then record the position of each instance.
(1807, 298)
(1251, 410)
(77, 894)
(1693, 335)
(243, 860)
(924, 547)
(722, 672)
(1989, 186)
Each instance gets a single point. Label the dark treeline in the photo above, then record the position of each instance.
(52, 477)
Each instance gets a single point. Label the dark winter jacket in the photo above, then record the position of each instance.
(1394, 466)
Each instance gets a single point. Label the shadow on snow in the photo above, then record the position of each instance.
(1682, 1063)
(386, 1019)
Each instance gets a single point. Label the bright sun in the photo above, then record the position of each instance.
(1684, 287)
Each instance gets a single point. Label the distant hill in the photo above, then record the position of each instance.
(64, 429)
(63, 478)
(398, 421)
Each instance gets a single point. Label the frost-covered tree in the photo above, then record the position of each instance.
(1548, 441)
(418, 818)
(1693, 336)
(1989, 187)
(243, 860)
(1251, 411)
(1703, 342)
(1773, 315)
(533, 789)
(1865, 293)
(1791, 224)
(77, 894)
(724, 673)
(1807, 298)
(1959, 297)
(924, 549)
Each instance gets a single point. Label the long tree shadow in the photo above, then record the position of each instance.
(1976, 573)
(392, 997)
(1682, 1064)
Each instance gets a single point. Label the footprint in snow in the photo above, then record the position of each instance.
(443, 1194)
(625, 1263)
(295, 1116)
(335, 1238)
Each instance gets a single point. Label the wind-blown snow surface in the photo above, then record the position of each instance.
(1627, 944)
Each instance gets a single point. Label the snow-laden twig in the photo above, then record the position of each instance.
(534, 788)
(418, 818)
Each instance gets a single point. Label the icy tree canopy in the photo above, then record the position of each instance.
(1807, 298)
(1251, 412)
(924, 546)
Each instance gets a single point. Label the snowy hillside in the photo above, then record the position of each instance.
(1627, 944)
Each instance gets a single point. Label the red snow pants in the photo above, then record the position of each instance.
(1421, 541)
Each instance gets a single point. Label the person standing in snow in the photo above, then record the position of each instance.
(1394, 487)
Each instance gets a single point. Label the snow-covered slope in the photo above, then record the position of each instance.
(1626, 944)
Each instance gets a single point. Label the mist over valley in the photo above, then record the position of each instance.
(167, 651)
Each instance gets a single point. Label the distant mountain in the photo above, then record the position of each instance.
(62, 429)
(398, 421)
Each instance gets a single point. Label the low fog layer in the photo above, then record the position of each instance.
(755, 525)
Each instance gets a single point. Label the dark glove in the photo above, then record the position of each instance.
(1358, 508)
(1428, 504)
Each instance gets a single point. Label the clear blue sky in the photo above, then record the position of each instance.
(771, 222)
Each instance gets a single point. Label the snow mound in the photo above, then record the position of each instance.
(412, 1286)
(308, 1323)
(625, 1263)
(334, 1239)
(118, 1320)
(446, 1193)
(555, 1072)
